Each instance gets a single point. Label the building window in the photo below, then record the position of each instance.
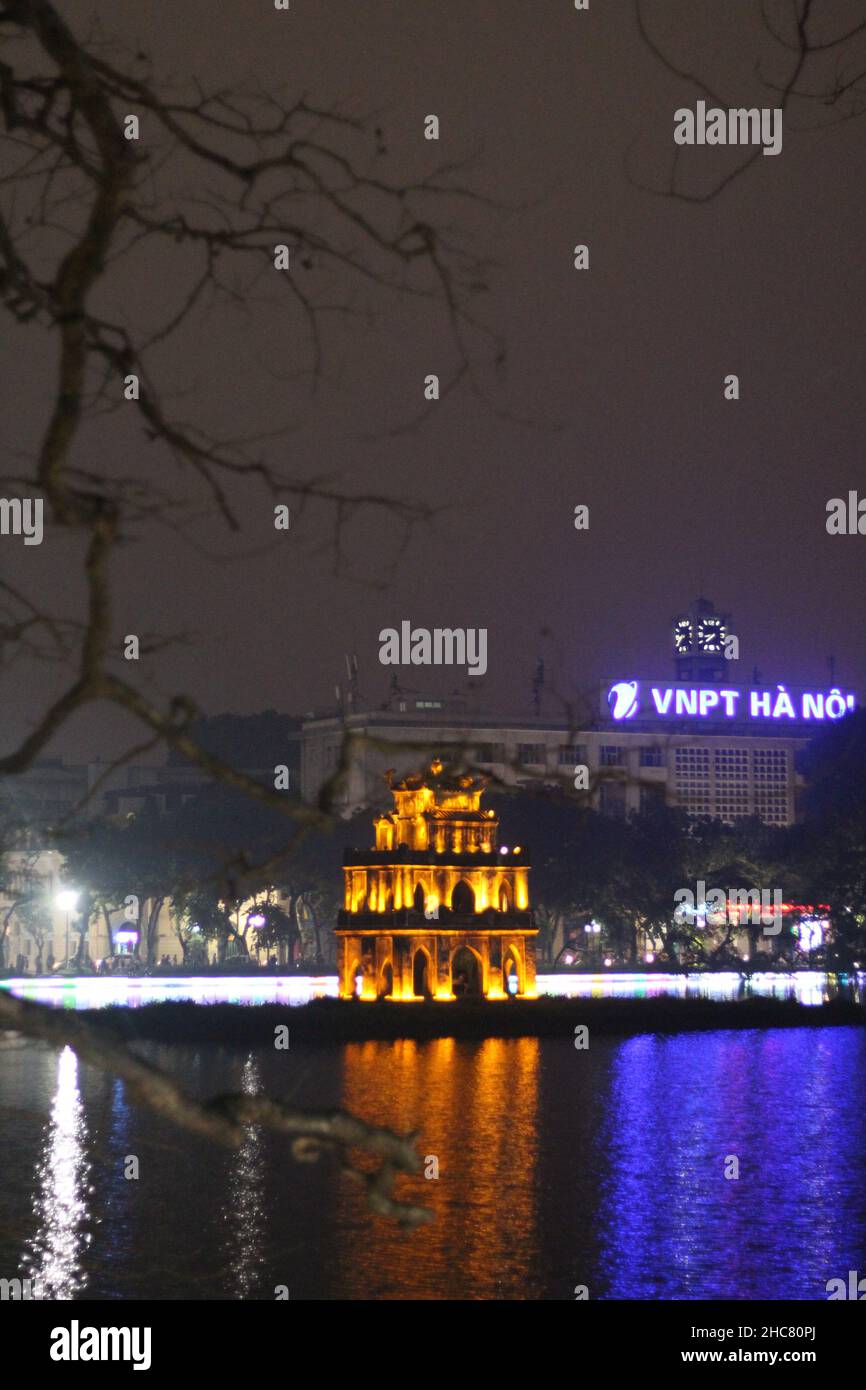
(491, 753)
(770, 774)
(652, 756)
(732, 783)
(611, 756)
(531, 753)
(571, 754)
(692, 780)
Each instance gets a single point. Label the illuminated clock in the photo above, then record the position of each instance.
(711, 635)
(683, 635)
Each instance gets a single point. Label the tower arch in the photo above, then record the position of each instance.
(462, 897)
(422, 973)
(467, 973)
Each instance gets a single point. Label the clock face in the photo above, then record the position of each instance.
(683, 635)
(711, 635)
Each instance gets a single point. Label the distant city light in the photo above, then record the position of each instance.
(810, 932)
(738, 703)
(256, 919)
(99, 991)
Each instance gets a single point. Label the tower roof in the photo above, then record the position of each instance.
(438, 779)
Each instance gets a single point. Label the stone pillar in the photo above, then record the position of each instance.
(442, 987)
(495, 983)
(482, 945)
(530, 989)
(383, 952)
(406, 946)
(351, 952)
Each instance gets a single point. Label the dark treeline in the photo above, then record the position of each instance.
(623, 874)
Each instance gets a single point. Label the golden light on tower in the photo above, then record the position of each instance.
(436, 910)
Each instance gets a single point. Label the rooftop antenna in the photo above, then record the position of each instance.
(395, 691)
(538, 686)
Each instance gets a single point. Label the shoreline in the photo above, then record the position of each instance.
(326, 1022)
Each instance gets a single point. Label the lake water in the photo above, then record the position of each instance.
(557, 1168)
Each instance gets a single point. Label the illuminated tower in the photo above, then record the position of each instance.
(438, 909)
(699, 642)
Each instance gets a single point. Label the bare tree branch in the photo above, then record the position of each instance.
(843, 96)
(217, 180)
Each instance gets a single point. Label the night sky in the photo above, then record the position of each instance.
(612, 393)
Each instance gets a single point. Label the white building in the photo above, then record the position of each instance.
(704, 741)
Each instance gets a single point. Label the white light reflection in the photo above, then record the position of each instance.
(53, 1260)
(245, 1214)
(807, 986)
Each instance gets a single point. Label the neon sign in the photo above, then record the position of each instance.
(625, 699)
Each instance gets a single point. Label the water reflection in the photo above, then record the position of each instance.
(790, 1109)
(92, 992)
(476, 1109)
(807, 986)
(54, 1258)
(97, 992)
(557, 1167)
(244, 1211)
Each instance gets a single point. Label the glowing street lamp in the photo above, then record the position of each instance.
(67, 901)
(593, 943)
(257, 920)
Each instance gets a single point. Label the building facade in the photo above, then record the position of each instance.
(703, 741)
(43, 926)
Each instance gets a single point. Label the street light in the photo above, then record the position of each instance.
(67, 901)
(593, 945)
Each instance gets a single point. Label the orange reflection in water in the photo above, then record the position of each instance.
(484, 1236)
